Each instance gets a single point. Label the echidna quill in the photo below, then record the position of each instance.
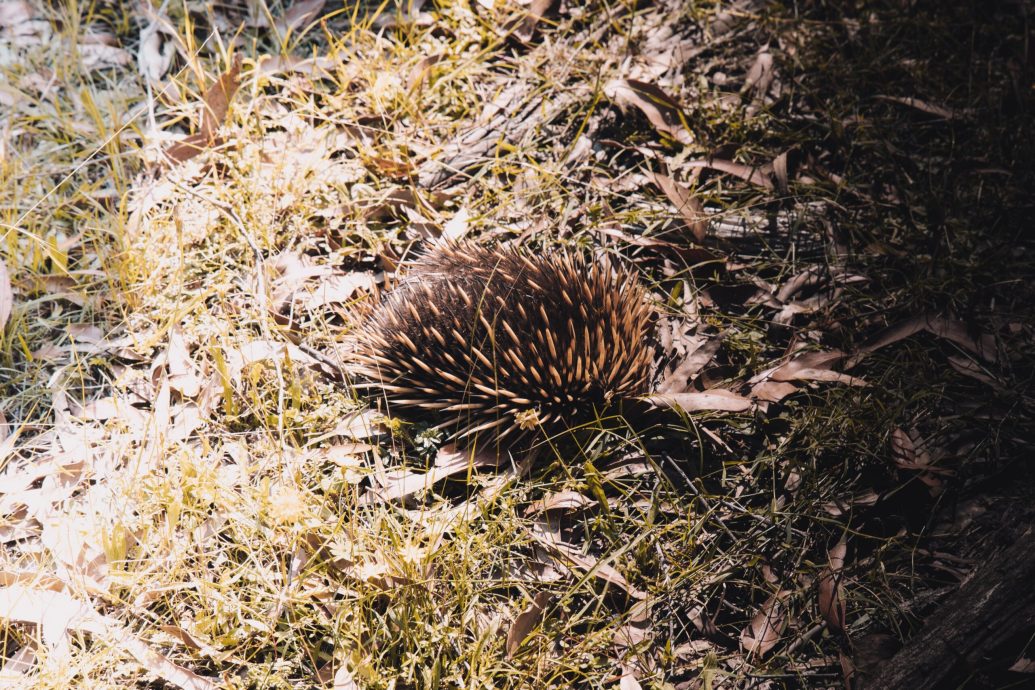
(498, 343)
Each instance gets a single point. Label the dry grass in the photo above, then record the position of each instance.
(182, 458)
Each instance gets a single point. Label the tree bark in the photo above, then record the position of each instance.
(993, 605)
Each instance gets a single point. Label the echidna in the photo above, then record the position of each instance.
(500, 342)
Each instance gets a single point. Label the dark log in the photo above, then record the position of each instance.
(994, 605)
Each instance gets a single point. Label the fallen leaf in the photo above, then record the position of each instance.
(561, 500)
(772, 391)
(831, 601)
(397, 484)
(811, 366)
(301, 12)
(457, 226)
(660, 109)
(983, 345)
(15, 12)
(922, 106)
(316, 67)
(154, 56)
(685, 202)
(526, 622)
(94, 56)
(343, 680)
(213, 113)
(763, 632)
(524, 26)
(419, 73)
(747, 173)
(760, 77)
(698, 401)
(679, 379)
(571, 556)
(340, 288)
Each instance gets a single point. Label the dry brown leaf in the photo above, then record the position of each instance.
(419, 73)
(526, 622)
(561, 500)
(316, 67)
(457, 226)
(811, 366)
(660, 109)
(628, 680)
(571, 556)
(94, 56)
(343, 680)
(15, 12)
(396, 484)
(760, 77)
(982, 345)
(679, 379)
(154, 56)
(699, 401)
(524, 27)
(213, 113)
(685, 202)
(6, 295)
(764, 630)
(745, 172)
(772, 391)
(922, 106)
(972, 369)
(831, 601)
(341, 288)
(301, 12)
(781, 167)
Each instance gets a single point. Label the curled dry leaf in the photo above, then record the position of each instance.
(811, 366)
(660, 109)
(764, 630)
(526, 622)
(831, 601)
(716, 399)
(343, 680)
(772, 391)
(154, 56)
(1023, 665)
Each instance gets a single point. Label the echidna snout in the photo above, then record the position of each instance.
(497, 342)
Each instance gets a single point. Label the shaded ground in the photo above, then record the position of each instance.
(830, 204)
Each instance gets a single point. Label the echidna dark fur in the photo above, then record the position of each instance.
(497, 343)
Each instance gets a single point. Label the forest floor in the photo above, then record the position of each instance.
(830, 203)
